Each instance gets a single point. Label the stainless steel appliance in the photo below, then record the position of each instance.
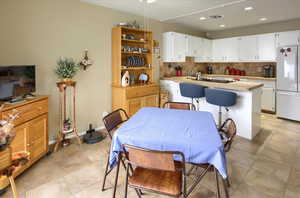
(288, 82)
(268, 71)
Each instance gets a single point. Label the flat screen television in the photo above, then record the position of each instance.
(16, 81)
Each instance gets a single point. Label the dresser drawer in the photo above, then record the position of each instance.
(29, 111)
(139, 92)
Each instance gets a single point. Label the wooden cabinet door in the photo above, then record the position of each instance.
(38, 140)
(134, 105)
(151, 101)
(20, 142)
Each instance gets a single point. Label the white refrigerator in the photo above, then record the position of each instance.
(288, 82)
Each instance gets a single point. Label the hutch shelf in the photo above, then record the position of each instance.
(136, 95)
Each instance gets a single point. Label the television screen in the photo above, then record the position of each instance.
(16, 81)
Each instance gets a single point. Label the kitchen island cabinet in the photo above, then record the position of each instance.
(246, 112)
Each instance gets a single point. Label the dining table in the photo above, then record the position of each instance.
(194, 133)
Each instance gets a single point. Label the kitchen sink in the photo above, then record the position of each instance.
(215, 80)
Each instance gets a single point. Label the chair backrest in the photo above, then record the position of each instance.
(191, 90)
(114, 119)
(220, 97)
(179, 105)
(229, 129)
(152, 159)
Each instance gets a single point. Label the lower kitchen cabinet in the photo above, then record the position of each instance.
(136, 104)
(132, 99)
(268, 99)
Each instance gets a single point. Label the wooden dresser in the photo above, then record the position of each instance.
(31, 130)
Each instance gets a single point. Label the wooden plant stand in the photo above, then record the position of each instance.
(61, 136)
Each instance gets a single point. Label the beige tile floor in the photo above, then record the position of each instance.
(267, 167)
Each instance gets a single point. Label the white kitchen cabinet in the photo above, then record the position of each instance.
(230, 49)
(268, 99)
(248, 48)
(205, 51)
(194, 46)
(225, 50)
(175, 47)
(266, 47)
(217, 50)
(288, 38)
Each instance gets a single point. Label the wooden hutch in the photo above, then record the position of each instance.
(136, 95)
(31, 128)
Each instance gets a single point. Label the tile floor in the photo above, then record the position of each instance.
(267, 167)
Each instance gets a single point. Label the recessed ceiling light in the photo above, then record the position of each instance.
(248, 8)
(263, 19)
(222, 26)
(148, 1)
(202, 18)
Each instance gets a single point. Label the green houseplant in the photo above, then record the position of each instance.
(66, 68)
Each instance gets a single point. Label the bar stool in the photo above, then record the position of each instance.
(192, 91)
(220, 98)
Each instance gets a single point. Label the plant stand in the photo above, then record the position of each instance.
(63, 132)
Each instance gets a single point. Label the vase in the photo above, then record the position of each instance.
(125, 79)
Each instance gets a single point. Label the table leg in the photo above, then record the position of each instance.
(225, 187)
(117, 175)
(217, 182)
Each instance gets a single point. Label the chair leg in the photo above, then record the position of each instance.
(126, 181)
(190, 171)
(217, 182)
(225, 187)
(227, 182)
(105, 174)
(13, 186)
(116, 178)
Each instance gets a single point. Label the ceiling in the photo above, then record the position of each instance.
(188, 12)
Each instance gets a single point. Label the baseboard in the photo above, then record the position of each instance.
(80, 134)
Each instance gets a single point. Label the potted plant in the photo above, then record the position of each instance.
(66, 69)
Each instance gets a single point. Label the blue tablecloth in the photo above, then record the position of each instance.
(192, 132)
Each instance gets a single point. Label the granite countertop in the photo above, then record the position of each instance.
(237, 85)
(241, 77)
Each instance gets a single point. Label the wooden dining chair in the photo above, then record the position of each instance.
(227, 133)
(179, 105)
(155, 171)
(111, 122)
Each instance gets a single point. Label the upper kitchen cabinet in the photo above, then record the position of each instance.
(288, 38)
(266, 47)
(225, 50)
(194, 46)
(248, 48)
(175, 47)
(205, 52)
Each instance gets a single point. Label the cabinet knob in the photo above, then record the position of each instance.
(28, 144)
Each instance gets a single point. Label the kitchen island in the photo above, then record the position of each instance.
(246, 112)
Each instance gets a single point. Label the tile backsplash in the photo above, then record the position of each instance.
(188, 67)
